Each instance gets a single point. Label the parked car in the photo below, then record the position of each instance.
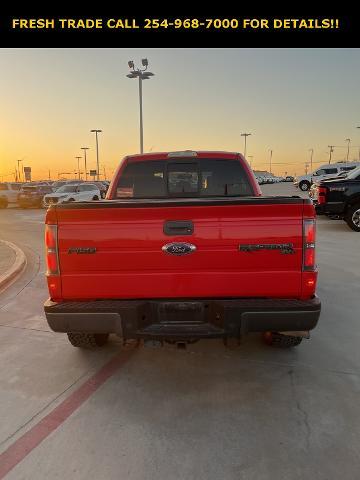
(77, 192)
(102, 187)
(3, 201)
(177, 262)
(313, 188)
(32, 195)
(10, 190)
(340, 197)
(269, 179)
(304, 182)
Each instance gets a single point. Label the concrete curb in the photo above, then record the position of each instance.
(17, 267)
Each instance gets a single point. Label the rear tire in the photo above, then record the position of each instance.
(95, 198)
(281, 341)
(87, 340)
(304, 186)
(352, 217)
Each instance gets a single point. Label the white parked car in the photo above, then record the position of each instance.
(10, 190)
(78, 192)
(326, 171)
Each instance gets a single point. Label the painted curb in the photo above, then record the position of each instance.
(17, 267)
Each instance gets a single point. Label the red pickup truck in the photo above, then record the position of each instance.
(184, 247)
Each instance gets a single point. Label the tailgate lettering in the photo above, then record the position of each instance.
(285, 248)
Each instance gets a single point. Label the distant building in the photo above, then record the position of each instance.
(263, 173)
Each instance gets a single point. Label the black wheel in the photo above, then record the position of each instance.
(87, 340)
(71, 200)
(304, 185)
(281, 341)
(95, 197)
(352, 217)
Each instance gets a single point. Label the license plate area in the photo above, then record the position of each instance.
(181, 312)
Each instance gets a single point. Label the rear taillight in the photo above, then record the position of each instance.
(51, 250)
(321, 195)
(309, 245)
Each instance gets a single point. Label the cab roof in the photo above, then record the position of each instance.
(182, 154)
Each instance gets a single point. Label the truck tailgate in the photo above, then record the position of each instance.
(122, 254)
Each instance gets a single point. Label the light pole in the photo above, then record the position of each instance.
(85, 148)
(348, 148)
(330, 152)
(78, 159)
(97, 150)
(311, 158)
(245, 135)
(271, 152)
(141, 74)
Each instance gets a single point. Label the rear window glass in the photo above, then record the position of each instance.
(354, 175)
(196, 178)
(67, 189)
(327, 171)
(348, 169)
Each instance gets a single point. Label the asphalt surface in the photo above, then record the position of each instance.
(7, 257)
(209, 412)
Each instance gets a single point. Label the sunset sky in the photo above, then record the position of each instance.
(290, 100)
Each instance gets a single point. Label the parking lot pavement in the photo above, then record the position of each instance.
(7, 257)
(209, 412)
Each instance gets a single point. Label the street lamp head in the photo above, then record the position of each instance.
(144, 62)
(131, 64)
(132, 75)
(148, 74)
(98, 131)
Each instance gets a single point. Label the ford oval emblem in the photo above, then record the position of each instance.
(178, 248)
